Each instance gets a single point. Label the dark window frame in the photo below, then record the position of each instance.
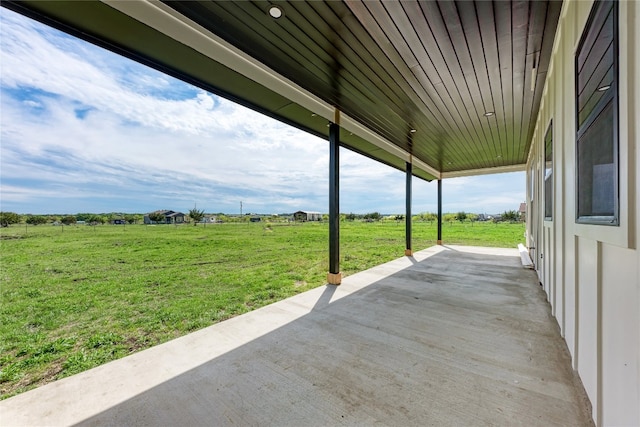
(548, 179)
(609, 98)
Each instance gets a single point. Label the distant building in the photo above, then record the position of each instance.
(307, 216)
(522, 211)
(170, 217)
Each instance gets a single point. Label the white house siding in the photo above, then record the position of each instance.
(590, 272)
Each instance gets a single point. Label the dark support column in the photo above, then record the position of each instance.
(439, 242)
(334, 277)
(408, 251)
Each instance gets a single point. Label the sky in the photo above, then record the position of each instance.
(85, 130)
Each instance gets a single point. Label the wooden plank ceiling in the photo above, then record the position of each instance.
(449, 82)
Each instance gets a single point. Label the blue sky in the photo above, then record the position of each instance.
(84, 130)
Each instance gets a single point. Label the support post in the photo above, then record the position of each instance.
(408, 251)
(439, 242)
(334, 277)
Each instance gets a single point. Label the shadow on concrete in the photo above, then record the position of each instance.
(457, 339)
(325, 297)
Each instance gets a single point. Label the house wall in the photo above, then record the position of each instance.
(590, 273)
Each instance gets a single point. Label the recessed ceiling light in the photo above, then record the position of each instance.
(603, 88)
(275, 12)
(498, 157)
(489, 114)
(412, 131)
(313, 115)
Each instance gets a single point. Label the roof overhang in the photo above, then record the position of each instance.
(406, 81)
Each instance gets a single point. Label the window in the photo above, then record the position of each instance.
(597, 118)
(548, 174)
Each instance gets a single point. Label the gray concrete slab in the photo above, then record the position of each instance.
(450, 336)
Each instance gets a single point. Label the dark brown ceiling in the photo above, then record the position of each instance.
(435, 66)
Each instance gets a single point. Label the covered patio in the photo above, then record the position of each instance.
(448, 336)
(436, 89)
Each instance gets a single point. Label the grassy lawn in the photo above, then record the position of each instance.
(76, 297)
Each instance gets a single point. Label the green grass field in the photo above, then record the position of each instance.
(76, 297)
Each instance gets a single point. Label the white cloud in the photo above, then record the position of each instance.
(71, 72)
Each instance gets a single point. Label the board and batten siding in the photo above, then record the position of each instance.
(591, 273)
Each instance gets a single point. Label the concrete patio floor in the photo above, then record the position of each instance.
(451, 336)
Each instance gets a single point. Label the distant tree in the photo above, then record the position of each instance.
(196, 215)
(510, 216)
(8, 218)
(350, 216)
(427, 216)
(157, 217)
(131, 219)
(373, 216)
(95, 219)
(399, 218)
(36, 219)
(461, 216)
(472, 217)
(68, 220)
(84, 216)
(449, 217)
